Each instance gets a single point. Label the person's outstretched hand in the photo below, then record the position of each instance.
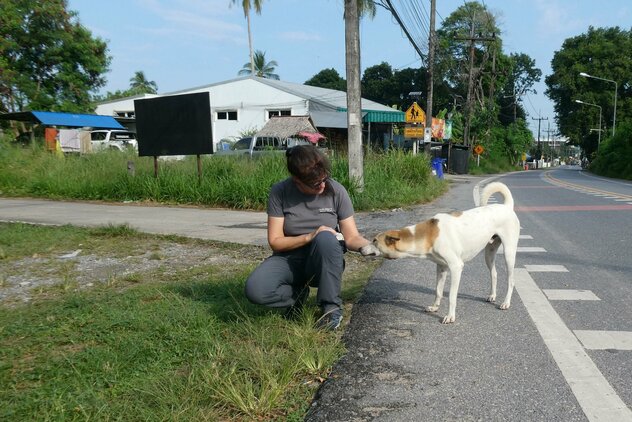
(369, 250)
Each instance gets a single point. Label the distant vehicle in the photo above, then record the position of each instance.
(120, 140)
(262, 145)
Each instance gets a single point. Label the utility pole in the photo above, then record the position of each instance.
(430, 70)
(354, 105)
(549, 131)
(538, 154)
(468, 100)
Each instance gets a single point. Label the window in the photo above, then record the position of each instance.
(227, 115)
(129, 114)
(98, 136)
(273, 113)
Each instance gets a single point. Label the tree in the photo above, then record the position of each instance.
(247, 5)
(354, 9)
(48, 61)
(140, 85)
(328, 78)
(262, 68)
(522, 75)
(598, 52)
(379, 85)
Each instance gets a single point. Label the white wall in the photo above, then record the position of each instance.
(251, 99)
(111, 108)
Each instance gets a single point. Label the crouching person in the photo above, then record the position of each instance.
(304, 211)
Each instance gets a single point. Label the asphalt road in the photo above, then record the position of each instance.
(563, 351)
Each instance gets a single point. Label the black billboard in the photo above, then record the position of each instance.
(174, 125)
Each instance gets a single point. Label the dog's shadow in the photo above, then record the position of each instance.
(387, 291)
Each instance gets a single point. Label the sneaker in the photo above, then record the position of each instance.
(294, 311)
(330, 320)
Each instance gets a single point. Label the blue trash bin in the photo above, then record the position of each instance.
(437, 167)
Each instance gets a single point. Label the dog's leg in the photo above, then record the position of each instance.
(442, 274)
(490, 261)
(510, 260)
(456, 267)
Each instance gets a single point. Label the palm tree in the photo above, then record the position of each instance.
(247, 5)
(354, 10)
(139, 84)
(261, 68)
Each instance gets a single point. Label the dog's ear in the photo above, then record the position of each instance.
(391, 237)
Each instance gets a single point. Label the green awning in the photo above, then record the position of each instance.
(374, 116)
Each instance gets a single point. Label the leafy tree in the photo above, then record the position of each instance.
(328, 78)
(614, 158)
(522, 75)
(453, 45)
(263, 69)
(140, 85)
(379, 85)
(48, 60)
(598, 52)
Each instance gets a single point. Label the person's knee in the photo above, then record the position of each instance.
(328, 249)
(326, 241)
(253, 291)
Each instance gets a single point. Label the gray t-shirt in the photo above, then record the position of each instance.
(304, 213)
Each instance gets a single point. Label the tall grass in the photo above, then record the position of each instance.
(391, 179)
(491, 164)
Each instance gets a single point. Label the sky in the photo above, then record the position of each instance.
(181, 44)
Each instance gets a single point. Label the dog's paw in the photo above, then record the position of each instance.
(505, 306)
(448, 319)
(491, 299)
(432, 308)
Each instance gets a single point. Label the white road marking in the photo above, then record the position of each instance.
(530, 249)
(526, 236)
(523, 249)
(595, 395)
(569, 294)
(546, 268)
(602, 340)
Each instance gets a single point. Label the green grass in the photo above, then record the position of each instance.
(181, 346)
(391, 180)
(167, 344)
(491, 165)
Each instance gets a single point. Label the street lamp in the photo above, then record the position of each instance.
(614, 117)
(594, 105)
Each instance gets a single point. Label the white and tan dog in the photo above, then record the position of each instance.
(452, 239)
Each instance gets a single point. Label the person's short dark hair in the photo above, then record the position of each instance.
(308, 164)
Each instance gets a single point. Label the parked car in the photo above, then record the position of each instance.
(262, 145)
(113, 139)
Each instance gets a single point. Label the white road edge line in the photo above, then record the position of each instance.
(595, 395)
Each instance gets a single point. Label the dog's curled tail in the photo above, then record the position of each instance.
(501, 188)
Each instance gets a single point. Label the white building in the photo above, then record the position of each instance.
(245, 104)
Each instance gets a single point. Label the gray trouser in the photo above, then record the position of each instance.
(280, 278)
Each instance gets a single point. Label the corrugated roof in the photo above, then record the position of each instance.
(50, 118)
(330, 98)
(287, 126)
(331, 119)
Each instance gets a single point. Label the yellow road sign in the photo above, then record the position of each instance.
(415, 114)
(414, 132)
(478, 149)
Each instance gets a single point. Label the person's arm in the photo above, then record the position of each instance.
(353, 239)
(279, 242)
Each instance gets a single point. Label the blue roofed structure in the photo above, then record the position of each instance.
(49, 118)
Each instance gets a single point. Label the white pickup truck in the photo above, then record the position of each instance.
(113, 139)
